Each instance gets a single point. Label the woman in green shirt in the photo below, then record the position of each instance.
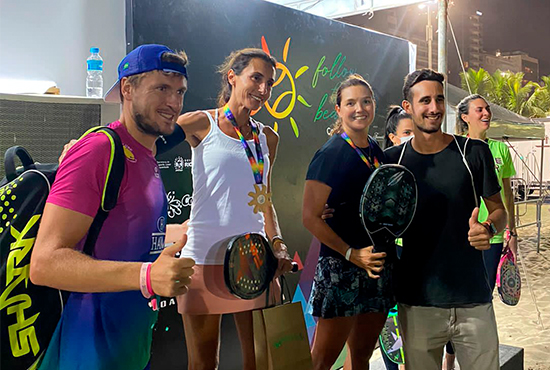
(474, 119)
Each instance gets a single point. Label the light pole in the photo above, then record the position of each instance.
(442, 48)
(429, 37)
(429, 30)
(442, 37)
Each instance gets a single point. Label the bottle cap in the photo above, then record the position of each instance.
(94, 50)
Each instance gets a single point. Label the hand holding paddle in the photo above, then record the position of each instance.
(478, 236)
(170, 276)
(371, 262)
(387, 207)
(284, 262)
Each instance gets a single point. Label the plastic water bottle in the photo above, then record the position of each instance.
(94, 80)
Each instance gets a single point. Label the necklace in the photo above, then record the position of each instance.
(261, 198)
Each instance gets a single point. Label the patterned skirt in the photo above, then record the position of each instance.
(341, 289)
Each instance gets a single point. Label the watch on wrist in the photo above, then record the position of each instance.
(513, 234)
(490, 227)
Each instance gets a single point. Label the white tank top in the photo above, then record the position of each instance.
(222, 179)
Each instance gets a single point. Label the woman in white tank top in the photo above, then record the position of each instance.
(222, 179)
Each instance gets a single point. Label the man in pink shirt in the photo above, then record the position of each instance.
(107, 322)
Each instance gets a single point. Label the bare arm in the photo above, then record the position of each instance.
(497, 212)
(508, 199)
(272, 228)
(478, 235)
(174, 232)
(196, 126)
(55, 262)
(271, 222)
(315, 197)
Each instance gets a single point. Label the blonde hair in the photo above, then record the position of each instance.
(352, 80)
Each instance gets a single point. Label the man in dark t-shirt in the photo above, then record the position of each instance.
(441, 283)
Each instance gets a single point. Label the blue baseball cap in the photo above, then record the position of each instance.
(144, 58)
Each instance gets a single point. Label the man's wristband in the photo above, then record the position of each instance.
(143, 280)
(513, 234)
(148, 283)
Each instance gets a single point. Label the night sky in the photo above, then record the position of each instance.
(511, 25)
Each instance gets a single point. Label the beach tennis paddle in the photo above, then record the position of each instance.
(250, 265)
(388, 205)
(390, 338)
(508, 278)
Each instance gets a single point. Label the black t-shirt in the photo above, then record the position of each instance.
(339, 166)
(438, 266)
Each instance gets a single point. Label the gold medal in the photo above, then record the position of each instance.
(261, 198)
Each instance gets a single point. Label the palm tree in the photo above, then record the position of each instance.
(477, 82)
(508, 90)
(538, 104)
(517, 93)
(497, 88)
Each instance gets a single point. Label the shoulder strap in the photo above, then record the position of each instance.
(463, 154)
(402, 152)
(109, 198)
(213, 120)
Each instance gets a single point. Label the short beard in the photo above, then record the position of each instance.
(144, 126)
(428, 130)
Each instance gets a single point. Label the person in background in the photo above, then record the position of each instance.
(474, 120)
(399, 127)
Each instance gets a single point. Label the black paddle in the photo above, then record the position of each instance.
(387, 207)
(250, 265)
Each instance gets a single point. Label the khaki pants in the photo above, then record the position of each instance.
(426, 330)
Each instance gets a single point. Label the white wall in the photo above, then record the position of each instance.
(530, 151)
(51, 39)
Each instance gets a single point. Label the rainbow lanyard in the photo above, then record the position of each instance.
(361, 154)
(257, 166)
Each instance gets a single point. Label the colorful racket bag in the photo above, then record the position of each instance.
(29, 313)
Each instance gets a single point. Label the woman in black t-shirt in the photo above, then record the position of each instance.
(352, 292)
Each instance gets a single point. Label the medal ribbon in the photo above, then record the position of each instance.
(257, 166)
(361, 154)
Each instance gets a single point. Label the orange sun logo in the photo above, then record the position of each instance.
(285, 73)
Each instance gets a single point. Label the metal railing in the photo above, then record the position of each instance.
(538, 217)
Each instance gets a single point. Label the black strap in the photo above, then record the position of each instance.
(112, 187)
(9, 161)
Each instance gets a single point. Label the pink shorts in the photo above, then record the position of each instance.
(208, 294)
